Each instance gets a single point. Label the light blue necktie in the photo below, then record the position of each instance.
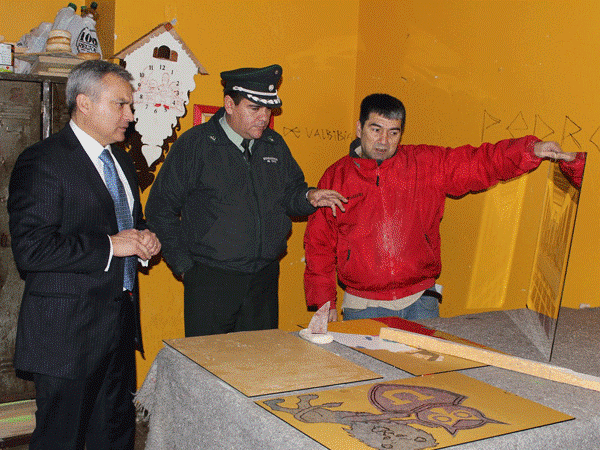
(122, 211)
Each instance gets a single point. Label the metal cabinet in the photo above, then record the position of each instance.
(31, 108)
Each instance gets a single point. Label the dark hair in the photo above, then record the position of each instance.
(385, 105)
(86, 77)
(236, 96)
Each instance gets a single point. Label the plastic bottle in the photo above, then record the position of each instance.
(94, 10)
(64, 16)
(75, 27)
(36, 39)
(90, 11)
(86, 39)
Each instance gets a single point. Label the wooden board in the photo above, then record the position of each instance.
(17, 422)
(269, 361)
(417, 362)
(432, 411)
(508, 362)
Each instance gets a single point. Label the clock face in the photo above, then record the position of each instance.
(162, 83)
(158, 90)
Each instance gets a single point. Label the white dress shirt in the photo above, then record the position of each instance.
(93, 149)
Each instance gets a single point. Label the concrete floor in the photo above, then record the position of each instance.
(141, 432)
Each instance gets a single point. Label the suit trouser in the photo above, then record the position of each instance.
(96, 411)
(217, 301)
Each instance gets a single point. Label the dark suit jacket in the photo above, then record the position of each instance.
(61, 215)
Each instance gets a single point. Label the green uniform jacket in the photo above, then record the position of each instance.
(209, 205)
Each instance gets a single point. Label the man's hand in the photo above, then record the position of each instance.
(133, 242)
(150, 241)
(551, 150)
(327, 198)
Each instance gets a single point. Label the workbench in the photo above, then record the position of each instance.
(190, 408)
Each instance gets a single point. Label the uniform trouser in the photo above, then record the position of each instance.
(217, 301)
(96, 411)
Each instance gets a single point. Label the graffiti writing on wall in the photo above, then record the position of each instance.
(567, 133)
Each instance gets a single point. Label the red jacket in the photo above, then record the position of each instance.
(387, 243)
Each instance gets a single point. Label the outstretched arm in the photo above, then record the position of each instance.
(551, 150)
(327, 198)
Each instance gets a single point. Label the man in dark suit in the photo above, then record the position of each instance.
(77, 230)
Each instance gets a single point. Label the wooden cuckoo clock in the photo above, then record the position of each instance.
(163, 68)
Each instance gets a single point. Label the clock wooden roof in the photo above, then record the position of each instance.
(162, 28)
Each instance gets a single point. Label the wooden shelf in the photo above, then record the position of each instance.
(51, 64)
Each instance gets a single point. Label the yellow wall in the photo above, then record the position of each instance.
(315, 42)
(451, 63)
(457, 65)
(18, 17)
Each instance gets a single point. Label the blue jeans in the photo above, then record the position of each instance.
(426, 307)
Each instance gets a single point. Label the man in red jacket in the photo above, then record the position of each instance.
(385, 249)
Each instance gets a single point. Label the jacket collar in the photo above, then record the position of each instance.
(217, 135)
(360, 161)
(354, 145)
